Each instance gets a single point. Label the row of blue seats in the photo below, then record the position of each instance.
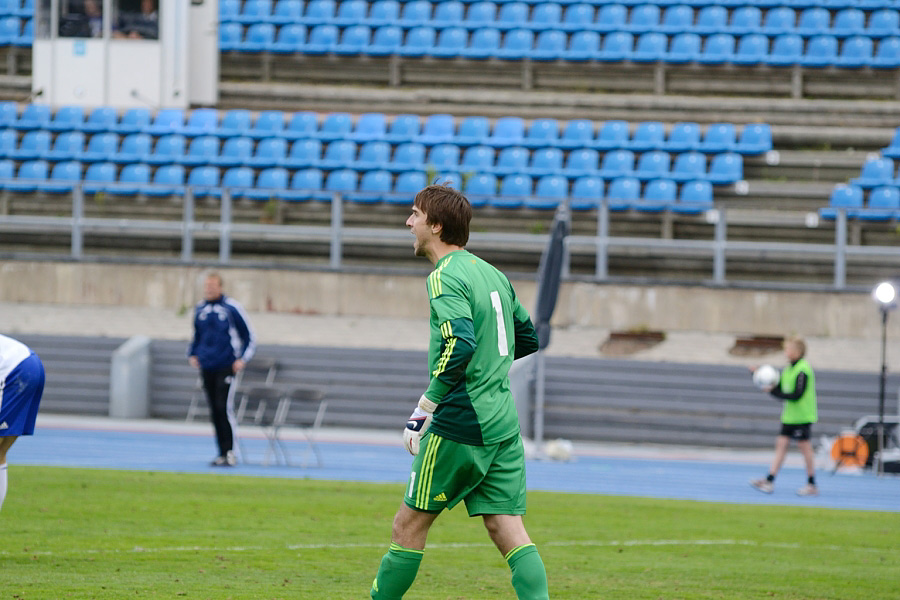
(723, 168)
(16, 32)
(573, 17)
(552, 45)
(511, 191)
(879, 204)
(428, 131)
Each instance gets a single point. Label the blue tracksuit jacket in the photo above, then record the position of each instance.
(222, 334)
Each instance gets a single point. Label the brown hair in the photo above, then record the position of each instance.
(448, 208)
(797, 341)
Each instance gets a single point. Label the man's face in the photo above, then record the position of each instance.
(792, 352)
(419, 227)
(212, 289)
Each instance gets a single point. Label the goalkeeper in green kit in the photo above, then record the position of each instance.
(464, 433)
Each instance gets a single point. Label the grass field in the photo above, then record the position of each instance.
(79, 533)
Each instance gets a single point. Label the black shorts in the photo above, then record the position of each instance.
(796, 432)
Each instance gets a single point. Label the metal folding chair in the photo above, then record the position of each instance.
(304, 408)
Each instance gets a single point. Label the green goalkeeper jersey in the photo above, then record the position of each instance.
(478, 327)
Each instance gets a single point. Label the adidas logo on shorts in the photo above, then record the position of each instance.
(440, 497)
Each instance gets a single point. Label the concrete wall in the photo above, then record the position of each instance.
(618, 307)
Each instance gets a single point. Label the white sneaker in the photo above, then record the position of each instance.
(225, 461)
(763, 485)
(808, 490)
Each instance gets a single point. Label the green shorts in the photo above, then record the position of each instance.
(490, 479)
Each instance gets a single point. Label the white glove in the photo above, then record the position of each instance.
(418, 424)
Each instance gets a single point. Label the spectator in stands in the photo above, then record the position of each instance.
(464, 432)
(797, 390)
(142, 24)
(223, 342)
(21, 388)
(81, 18)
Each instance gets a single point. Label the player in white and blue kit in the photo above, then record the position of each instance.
(21, 388)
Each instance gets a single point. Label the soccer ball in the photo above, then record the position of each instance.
(766, 376)
(559, 449)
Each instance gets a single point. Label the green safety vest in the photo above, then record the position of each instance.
(802, 411)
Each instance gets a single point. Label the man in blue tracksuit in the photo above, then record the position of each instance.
(223, 343)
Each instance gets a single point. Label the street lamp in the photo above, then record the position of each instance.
(885, 295)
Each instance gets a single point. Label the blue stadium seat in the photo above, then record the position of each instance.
(779, 20)
(875, 172)
(291, 38)
(269, 183)
(545, 16)
(648, 135)
(550, 45)
(168, 180)
(612, 135)
(480, 188)
(403, 128)
(448, 12)
(814, 20)
(28, 176)
(63, 178)
(545, 161)
(846, 197)
(472, 131)
(542, 132)
(238, 180)
(583, 46)
(609, 18)
(67, 146)
(9, 30)
(581, 162)
(653, 165)
(684, 136)
(351, 13)
(587, 193)
(622, 193)
(577, 17)
(134, 120)
(168, 149)
(235, 123)
(33, 145)
(322, 39)
(230, 36)
(711, 19)
(438, 129)
(511, 15)
(507, 131)
(101, 119)
(893, 149)
(335, 126)
(745, 20)
(354, 40)
(286, 12)
(341, 181)
(98, 177)
(166, 121)
(301, 125)
(383, 12)
(269, 123)
(130, 181)
(229, 10)
(204, 181)
(255, 11)
(415, 13)
(513, 191)
(201, 122)
(883, 204)
(481, 14)
(339, 154)
(650, 47)
(100, 148)
(659, 195)
(369, 127)
(752, 49)
(616, 46)
(718, 49)
(754, 139)
(444, 158)
(258, 37)
(269, 152)
(386, 41)
(408, 156)
(235, 152)
(550, 192)
(719, 137)
(306, 185)
(35, 116)
(684, 48)
(855, 52)
(373, 156)
(304, 153)
(419, 41)
(406, 186)
(477, 159)
(8, 140)
(644, 18)
(319, 12)
(517, 44)
(887, 55)
(373, 186)
(617, 163)
(848, 21)
(688, 166)
(883, 22)
(67, 118)
(677, 18)
(725, 168)
(484, 43)
(695, 198)
(451, 42)
(578, 133)
(787, 49)
(510, 160)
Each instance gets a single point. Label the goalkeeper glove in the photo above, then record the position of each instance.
(418, 424)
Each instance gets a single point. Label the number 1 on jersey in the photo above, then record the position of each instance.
(501, 324)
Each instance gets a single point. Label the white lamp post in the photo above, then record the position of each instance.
(885, 295)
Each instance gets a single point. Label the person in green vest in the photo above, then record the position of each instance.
(797, 390)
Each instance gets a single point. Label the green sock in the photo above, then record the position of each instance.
(397, 572)
(529, 578)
